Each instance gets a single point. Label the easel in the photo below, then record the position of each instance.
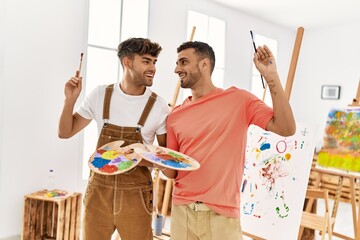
(354, 179)
(288, 86)
(356, 100)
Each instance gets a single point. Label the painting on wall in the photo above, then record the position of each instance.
(341, 147)
(275, 180)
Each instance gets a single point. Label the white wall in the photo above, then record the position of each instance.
(2, 46)
(41, 43)
(329, 56)
(39, 49)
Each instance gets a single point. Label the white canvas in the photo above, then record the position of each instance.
(275, 181)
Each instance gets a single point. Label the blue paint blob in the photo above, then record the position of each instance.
(264, 146)
(99, 162)
(176, 164)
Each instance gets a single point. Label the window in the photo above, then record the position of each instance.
(256, 85)
(212, 31)
(110, 22)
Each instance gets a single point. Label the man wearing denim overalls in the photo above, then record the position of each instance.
(127, 111)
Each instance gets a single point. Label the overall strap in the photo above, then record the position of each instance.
(106, 109)
(147, 109)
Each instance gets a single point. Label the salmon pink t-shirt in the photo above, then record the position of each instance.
(213, 130)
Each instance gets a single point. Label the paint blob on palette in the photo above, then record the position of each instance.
(112, 159)
(168, 158)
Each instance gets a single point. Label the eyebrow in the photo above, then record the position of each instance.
(149, 59)
(180, 59)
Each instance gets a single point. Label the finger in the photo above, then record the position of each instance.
(80, 83)
(73, 81)
(268, 51)
(262, 53)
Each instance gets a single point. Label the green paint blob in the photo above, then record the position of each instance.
(125, 165)
(175, 155)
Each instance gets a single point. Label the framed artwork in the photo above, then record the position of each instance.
(341, 147)
(330, 92)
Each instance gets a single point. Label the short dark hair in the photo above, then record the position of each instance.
(202, 49)
(139, 46)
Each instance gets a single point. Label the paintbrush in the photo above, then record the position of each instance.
(253, 41)
(79, 70)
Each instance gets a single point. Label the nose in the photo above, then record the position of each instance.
(153, 66)
(177, 69)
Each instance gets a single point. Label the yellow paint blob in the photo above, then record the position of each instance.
(111, 154)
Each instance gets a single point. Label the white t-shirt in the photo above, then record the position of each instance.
(125, 110)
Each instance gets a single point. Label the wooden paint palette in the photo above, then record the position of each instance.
(112, 159)
(167, 158)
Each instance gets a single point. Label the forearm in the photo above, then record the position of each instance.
(170, 173)
(66, 120)
(283, 122)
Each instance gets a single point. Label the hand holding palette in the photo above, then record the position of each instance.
(112, 159)
(167, 158)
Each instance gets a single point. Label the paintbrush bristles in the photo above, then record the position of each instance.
(79, 70)
(81, 58)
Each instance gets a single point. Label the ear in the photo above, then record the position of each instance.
(127, 62)
(204, 64)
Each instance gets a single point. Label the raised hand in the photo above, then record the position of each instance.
(73, 88)
(264, 61)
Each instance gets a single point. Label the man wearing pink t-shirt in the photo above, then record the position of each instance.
(211, 127)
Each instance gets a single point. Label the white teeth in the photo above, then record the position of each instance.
(182, 75)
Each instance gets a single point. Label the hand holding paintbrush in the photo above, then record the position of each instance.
(74, 85)
(253, 41)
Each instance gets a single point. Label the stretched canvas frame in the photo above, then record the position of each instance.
(275, 180)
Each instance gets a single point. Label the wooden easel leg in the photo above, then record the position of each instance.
(353, 205)
(337, 199)
(167, 194)
(357, 231)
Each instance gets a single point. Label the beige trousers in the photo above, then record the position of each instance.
(196, 221)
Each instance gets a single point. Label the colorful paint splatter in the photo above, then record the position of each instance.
(109, 161)
(168, 158)
(274, 183)
(54, 194)
(341, 148)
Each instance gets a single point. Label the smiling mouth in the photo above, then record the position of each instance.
(182, 75)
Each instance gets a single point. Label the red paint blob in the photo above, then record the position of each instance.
(108, 169)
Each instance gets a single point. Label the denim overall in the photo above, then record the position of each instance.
(123, 201)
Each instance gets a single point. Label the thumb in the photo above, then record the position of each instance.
(80, 83)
